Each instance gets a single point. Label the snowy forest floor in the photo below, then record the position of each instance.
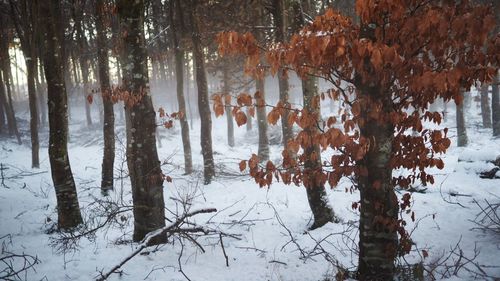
(267, 227)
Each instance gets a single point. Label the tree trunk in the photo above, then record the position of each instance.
(280, 34)
(7, 102)
(377, 242)
(67, 200)
(108, 158)
(142, 158)
(378, 238)
(40, 89)
(485, 107)
(316, 193)
(495, 106)
(203, 101)
(461, 129)
(179, 73)
(35, 146)
(8, 107)
(263, 151)
(84, 68)
(229, 115)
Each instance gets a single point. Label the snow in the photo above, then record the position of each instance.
(264, 220)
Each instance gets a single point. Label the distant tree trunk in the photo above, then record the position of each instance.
(229, 115)
(179, 73)
(495, 106)
(67, 200)
(84, 68)
(109, 117)
(188, 87)
(203, 101)
(42, 100)
(461, 129)
(249, 120)
(280, 34)
(263, 150)
(316, 193)
(8, 108)
(142, 158)
(485, 107)
(159, 44)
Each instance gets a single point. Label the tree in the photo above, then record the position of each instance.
(177, 25)
(203, 101)
(495, 105)
(142, 158)
(278, 11)
(485, 107)
(77, 8)
(462, 139)
(315, 189)
(67, 200)
(109, 116)
(7, 105)
(402, 54)
(24, 16)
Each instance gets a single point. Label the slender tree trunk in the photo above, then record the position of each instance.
(462, 139)
(4, 107)
(109, 117)
(485, 107)
(67, 200)
(188, 87)
(495, 106)
(203, 101)
(2, 112)
(8, 108)
(35, 146)
(179, 73)
(249, 120)
(280, 34)
(84, 68)
(263, 151)
(142, 158)
(229, 114)
(42, 99)
(316, 193)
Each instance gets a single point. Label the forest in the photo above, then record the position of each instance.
(250, 140)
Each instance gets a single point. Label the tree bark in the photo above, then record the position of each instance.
(378, 237)
(67, 200)
(316, 193)
(377, 242)
(179, 73)
(42, 102)
(229, 114)
(84, 67)
(263, 150)
(485, 107)
(280, 34)
(108, 158)
(203, 101)
(5, 68)
(495, 106)
(142, 158)
(35, 146)
(462, 139)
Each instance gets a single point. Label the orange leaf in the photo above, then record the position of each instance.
(90, 99)
(243, 165)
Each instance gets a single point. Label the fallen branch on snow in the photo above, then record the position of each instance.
(165, 231)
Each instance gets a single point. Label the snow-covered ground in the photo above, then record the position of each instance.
(269, 239)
